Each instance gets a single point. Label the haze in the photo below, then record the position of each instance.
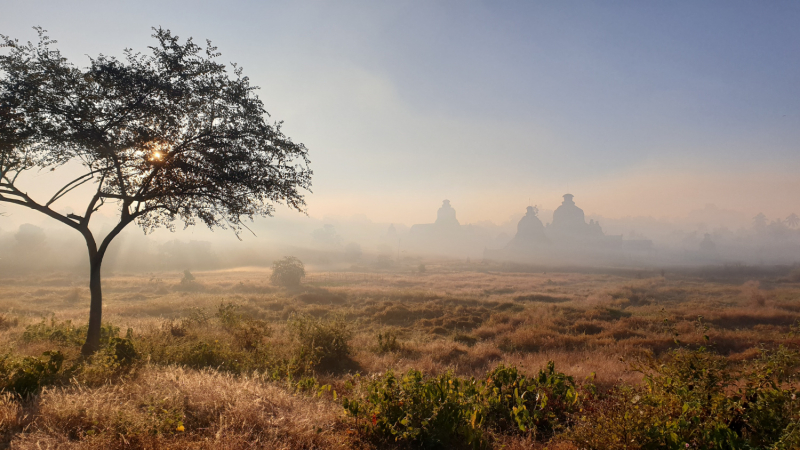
(666, 121)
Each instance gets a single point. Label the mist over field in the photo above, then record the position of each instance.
(706, 236)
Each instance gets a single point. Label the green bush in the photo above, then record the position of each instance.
(287, 272)
(118, 358)
(696, 399)
(25, 376)
(446, 410)
(65, 332)
(320, 343)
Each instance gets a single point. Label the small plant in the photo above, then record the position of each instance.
(248, 334)
(421, 268)
(323, 343)
(387, 342)
(189, 283)
(115, 360)
(287, 272)
(227, 315)
(65, 332)
(187, 277)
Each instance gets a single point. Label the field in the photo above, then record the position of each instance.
(228, 360)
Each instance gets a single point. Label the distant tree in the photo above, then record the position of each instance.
(759, 221)
(327, 235)
(164, 137)
(793, 220)
(287, 272)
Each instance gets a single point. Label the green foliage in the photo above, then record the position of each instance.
(539, 404)
(287, 272)
(25, 376)
(65, 332)
(118, 358)
(695, 399)
(321, 343)
(446, 410)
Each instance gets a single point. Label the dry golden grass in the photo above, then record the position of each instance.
(174, 407)
(464, 321)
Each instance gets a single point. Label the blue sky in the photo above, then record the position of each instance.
(637, 108)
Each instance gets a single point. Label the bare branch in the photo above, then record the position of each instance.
(72, 185)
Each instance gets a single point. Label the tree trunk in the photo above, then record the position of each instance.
(95, 307)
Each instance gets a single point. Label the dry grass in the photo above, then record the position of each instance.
(465, 321)
(175, 407)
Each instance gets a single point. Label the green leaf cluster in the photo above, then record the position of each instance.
(446, 410)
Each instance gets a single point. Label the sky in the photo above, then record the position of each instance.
(636, 108)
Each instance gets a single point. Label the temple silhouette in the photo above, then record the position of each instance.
(446, 235)
(568, 239)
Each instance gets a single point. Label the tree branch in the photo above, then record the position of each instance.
(30, 203)
(67, 188)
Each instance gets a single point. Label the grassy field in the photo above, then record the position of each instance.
(230, 361)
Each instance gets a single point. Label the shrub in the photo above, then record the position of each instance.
(540, 404)
(189, 283)
(115, 360)
(287, 272)
(322, 343)
(447, 411)
(695, 399)
(65, 332)
(387, 342)
(187, 277)
(25, 376)
(248, 334)
(433, 412)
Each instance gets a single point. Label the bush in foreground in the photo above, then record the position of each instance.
(696, 399)
(448, 411)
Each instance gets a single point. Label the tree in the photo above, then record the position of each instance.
(760, 221)
(792, 220)
(287, 272)
(166, 137)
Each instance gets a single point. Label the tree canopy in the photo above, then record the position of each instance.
(168, 136)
